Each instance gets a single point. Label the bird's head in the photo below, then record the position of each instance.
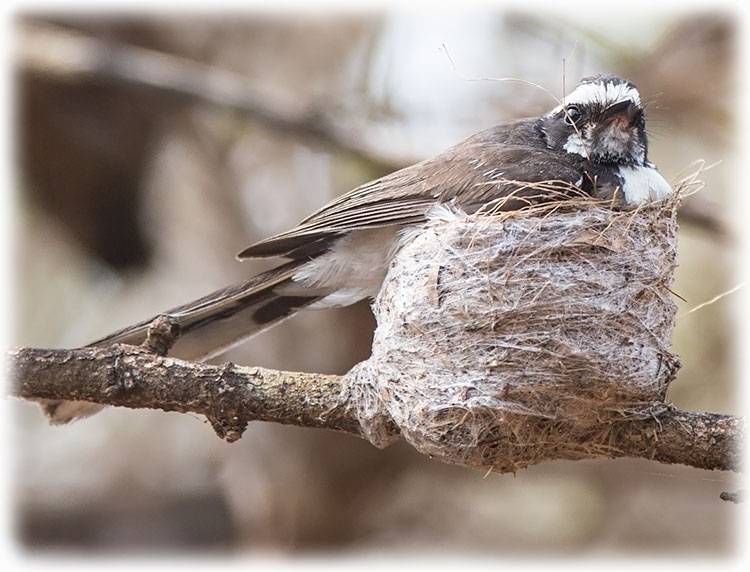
(601, 120)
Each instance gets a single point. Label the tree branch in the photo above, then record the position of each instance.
(231, 396)
(228, 395)
(703, 440)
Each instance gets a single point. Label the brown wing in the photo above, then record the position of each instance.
(481, 169)
(375, 204)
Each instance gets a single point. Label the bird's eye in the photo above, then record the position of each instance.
(572, 114)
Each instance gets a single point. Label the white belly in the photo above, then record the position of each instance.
(352, 270)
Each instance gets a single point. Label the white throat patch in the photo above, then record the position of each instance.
(641, 185)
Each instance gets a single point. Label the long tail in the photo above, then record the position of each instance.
(213, 324)
(208, 326)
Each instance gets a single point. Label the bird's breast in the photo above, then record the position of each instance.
(641, 185)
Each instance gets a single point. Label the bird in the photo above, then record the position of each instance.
(593, 143)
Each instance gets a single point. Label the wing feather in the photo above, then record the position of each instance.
(486, 167)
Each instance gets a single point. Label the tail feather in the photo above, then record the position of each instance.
(222, 319)
(208, 326)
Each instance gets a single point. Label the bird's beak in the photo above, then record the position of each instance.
(625, 110)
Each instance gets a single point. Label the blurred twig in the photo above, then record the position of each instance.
(74, 57)
(45, 49)
(736, 497)
(706, 216)
(231, 396)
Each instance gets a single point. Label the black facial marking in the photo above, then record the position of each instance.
(605, 123)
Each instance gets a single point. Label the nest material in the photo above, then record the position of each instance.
(504, 341)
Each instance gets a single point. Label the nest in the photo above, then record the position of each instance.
(507, 340)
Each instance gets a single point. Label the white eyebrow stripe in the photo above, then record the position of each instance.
(603, 94)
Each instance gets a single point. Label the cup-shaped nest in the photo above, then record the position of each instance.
(510, 339)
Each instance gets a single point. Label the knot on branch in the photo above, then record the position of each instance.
(225, 411)
(162, 334)
(122, 380)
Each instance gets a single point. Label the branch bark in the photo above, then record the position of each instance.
(230, 396)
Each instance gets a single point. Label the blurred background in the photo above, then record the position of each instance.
(150, 149)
